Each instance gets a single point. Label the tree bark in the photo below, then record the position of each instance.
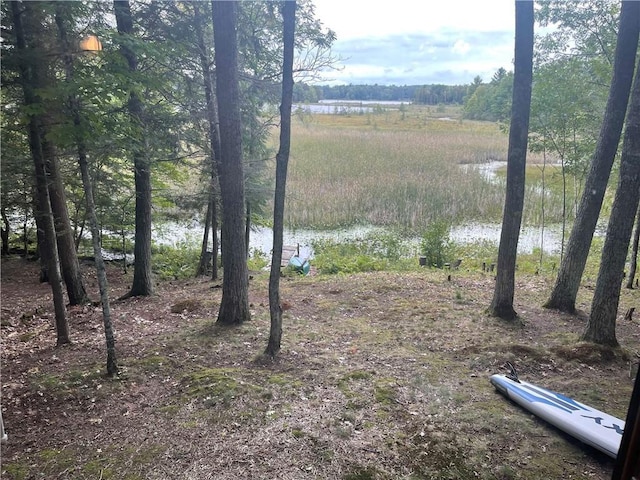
(601, 327)
(502, 303)
(69, 264)
(565, 290)
(142, 284)
(633, 264)
(31, 78)
(234, 307)
(282, 163)
(5, 231)
(203, 264)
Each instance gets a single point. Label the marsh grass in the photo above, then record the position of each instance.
(394, 168)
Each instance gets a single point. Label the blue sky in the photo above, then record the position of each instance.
(408, 42)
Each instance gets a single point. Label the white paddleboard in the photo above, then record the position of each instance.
(591, 426)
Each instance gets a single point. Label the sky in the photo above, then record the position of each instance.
(413, 42)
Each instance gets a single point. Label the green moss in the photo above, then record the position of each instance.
(214, 386)
(362, 473)
(152, 362)
(16, 471)
(384, 392)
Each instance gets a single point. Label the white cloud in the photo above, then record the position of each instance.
(461, 47)
(415, 42)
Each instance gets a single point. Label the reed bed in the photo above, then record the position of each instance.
(397, 169)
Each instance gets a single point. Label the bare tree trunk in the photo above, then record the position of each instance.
(282, 163)
(31, 77)
(216, 243)
(634, 253)
(628, 461)
(142, 284)
(5, 231)
(112, 365)
(601, 327)
(214, 133)
(502, 303)
(203, 264)
(234, 307)
(66, 244)
(565, 290)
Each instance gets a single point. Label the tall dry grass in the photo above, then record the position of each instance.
(392, 168)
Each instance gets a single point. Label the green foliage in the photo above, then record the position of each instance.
(373, 252)
(491, 101)
(258, 260)
(436, 244)
(175, 262)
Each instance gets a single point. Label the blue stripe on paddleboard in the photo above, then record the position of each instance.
(566, 402)
(533, 395)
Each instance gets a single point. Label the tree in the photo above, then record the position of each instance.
(142, 284)
(234, 307)
(31, 65)
(634, 253)
(565, 290)
(601, 327)
(62, 15)
(502, 303)
(214, 147)
(282, 161)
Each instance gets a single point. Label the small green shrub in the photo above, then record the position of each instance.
(257, 259)
(436, 244)
(175, 262)
(375, 251)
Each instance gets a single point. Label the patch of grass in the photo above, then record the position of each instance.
(362, 473)
(385, 391)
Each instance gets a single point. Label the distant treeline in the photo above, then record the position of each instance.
(421, 94)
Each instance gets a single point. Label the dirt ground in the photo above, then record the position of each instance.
(381, 376)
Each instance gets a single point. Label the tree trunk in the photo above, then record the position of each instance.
(628, 460)
(502, 303)
(601, 327)
(565, 290)
(203, 264)
(31, 78)
(247, 229)
(633, 264)
(142, 284)
(282, 162)
(66, 245)
(214, 134)
(5, 231)
(216, 243)
(234, 307)
(112, 367)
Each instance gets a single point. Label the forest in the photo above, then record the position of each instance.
(123, 118)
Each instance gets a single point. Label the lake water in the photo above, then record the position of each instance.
(262, 237)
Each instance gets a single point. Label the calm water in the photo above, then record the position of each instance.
(262, 238)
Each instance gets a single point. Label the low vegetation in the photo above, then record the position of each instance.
(406, 168)
(383, 375)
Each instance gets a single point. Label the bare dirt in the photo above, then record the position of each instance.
(381, 376)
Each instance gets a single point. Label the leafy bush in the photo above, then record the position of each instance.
(374, 252)
(258, 259)
(436, 244)
(175, 263)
